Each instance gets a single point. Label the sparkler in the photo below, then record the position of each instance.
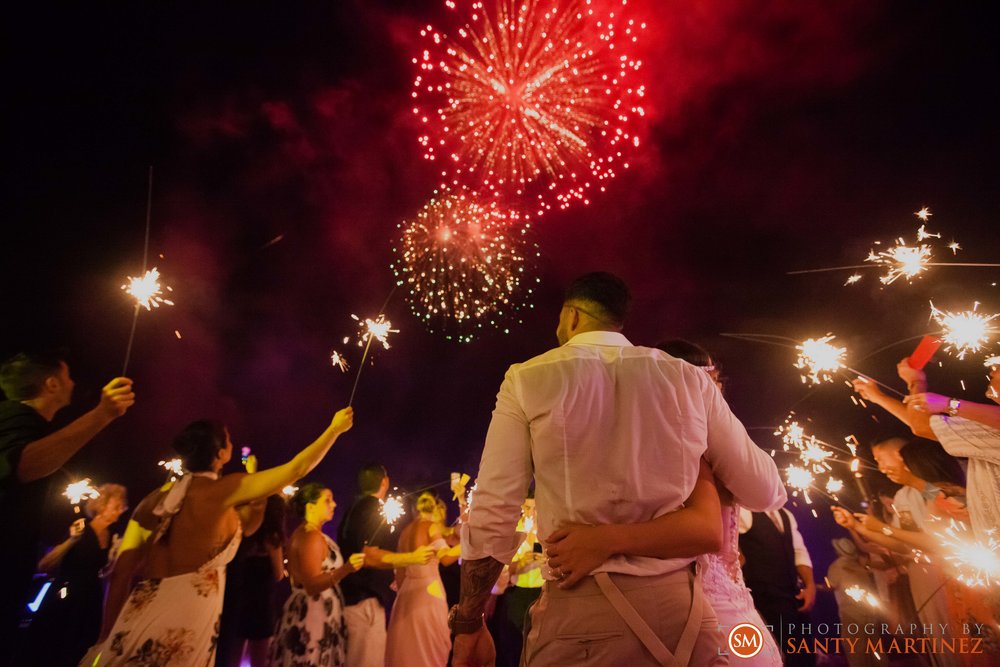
(531, 97)
(466, 263)
(289, 491)
(146, 289)
(902, 260)
(834, 486)
(820, 359)
(79, 491)
(965, 331)
(377, 329)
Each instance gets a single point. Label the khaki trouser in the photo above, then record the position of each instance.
(580, 626)
(365, 633)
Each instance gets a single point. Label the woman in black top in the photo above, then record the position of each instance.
(69, 620)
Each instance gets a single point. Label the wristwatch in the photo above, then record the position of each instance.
(953, 405)
(463, 626)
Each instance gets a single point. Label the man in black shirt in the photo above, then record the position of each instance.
(366, 592)
(37, 386)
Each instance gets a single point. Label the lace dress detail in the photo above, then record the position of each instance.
(722, 581)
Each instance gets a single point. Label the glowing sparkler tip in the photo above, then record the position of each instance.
(924, 213)
(289, 491)
(79, 491)
(820, 359)
(392, 509)
(798, 478)
(146, 290)
(965, 331)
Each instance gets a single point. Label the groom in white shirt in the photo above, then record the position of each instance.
(611, 433)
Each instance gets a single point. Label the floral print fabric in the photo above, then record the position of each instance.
(170, 622)
(312, 631)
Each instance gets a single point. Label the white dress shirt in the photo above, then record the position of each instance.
(798, 544)
(611, 433)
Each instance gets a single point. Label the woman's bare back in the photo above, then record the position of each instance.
(200, 530)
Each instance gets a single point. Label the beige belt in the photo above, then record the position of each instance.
(645, 634)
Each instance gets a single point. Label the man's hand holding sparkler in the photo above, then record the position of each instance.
(116, 398)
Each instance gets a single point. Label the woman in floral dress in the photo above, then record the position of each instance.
(312, 631)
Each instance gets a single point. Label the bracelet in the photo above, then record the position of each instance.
(887, 531)
(462, 626)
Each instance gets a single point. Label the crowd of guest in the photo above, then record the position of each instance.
(221, 568)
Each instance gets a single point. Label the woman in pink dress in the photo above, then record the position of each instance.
(418, 628)
(721, 577)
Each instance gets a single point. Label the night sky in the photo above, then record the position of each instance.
(780, 136)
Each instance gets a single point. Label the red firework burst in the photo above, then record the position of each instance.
(533, 100)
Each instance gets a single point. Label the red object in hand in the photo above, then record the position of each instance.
(922, 354)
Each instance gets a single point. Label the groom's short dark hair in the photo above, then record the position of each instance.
(606, 291)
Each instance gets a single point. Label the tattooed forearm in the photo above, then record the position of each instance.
(478, 577)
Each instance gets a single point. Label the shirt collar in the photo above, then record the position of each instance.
(609, 338)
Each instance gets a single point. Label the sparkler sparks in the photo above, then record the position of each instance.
(339, 361)
(858, 594)
(79, 491)
(834, 486)
(466, 263)
(901, 260)
(820, 359)
(377, 329)
(976, 562)
(146, 290)
(924, 213)
(798, 478)
(965, 331)
(543, 98)
(392, 509)
(174, 466)
(289, 491)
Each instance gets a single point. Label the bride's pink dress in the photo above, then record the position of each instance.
(722, 581)
(418, 627)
